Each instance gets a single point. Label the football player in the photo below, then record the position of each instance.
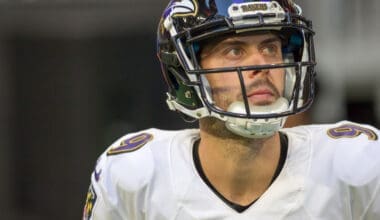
(240, 67)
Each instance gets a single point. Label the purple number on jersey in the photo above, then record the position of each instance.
(350, 131)
(131, 144)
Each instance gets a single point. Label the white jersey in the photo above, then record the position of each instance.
(331, 172)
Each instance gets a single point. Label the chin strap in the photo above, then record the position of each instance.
(257, 128)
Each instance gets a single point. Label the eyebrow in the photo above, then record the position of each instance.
(238, 41)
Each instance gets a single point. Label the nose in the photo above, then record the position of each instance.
(257, 59)
(254, 73)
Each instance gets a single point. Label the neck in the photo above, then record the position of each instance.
(240, 169)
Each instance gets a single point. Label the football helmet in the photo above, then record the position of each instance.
(187, 25)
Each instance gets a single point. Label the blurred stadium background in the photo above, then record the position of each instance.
(77, 74)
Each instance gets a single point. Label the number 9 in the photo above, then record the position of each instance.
(351, 131)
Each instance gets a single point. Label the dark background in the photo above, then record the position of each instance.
(76, 75)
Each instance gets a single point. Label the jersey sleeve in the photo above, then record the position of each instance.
(372, 209)
(120, 179)
(102, 198)
(357, 164)
(357, 153)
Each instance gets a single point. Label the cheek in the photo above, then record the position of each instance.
(208, 62)
(279, 80)
(224, 88)
(223, 80)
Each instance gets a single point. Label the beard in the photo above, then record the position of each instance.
(216, 128)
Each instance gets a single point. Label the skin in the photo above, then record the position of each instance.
(241, 169)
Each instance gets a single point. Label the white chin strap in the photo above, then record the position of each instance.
(257, 128)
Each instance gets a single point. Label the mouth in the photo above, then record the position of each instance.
(261, 96)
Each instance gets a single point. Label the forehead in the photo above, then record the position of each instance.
(251, 37)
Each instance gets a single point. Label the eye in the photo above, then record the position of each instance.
(233, 53)
(270, 50)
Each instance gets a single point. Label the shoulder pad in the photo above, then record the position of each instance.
(357, 153)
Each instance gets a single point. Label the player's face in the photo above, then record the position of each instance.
(263, 86)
